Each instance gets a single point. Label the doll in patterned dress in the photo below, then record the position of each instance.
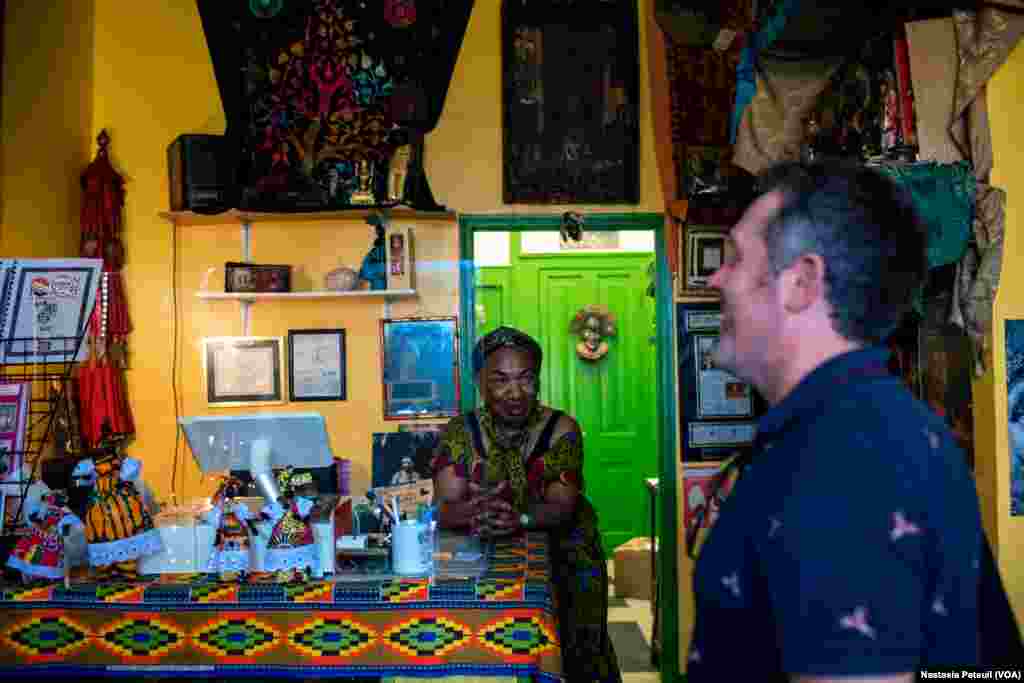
(40, 554)
(232, 520)
(290, 551)
(118, 525)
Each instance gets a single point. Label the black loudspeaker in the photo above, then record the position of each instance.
(196, 173)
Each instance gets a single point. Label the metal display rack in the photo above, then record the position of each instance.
(48, 379)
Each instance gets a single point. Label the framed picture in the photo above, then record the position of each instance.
(703, 250)
(242, 371)
(419, 360)
(718, 415)
(316, 365)
(250, 277)
(570, 73)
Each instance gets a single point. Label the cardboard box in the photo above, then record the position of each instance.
(400, 259)
(632, 577)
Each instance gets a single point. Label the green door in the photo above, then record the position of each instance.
(613, 398)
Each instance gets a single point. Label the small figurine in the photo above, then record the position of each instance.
(233, 522)
(290, 550)
(374, 268)
(40, 554)
(362, 195)
(118, 524)
(398, 170)
(592, 323)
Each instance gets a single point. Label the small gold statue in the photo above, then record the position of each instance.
(397, 172)
(363, 194)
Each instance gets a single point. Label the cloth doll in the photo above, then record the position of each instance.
(40, 554)
(290, 549)
(232, 520)
(118, 525)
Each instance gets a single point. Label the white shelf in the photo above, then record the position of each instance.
(314, 294)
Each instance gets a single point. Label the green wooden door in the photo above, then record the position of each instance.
(613, 398)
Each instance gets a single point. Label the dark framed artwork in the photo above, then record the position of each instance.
(570, 71)
(718, 416)
(419, 359)
(316, 365)
(243, 371)
(703, 250)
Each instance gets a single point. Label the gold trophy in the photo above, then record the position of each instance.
(363, 194)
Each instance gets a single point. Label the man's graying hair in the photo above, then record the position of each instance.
(866, 230)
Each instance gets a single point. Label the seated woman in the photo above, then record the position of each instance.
(516, 464)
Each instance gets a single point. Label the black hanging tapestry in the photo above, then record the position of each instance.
(327, 101)
(570, 101)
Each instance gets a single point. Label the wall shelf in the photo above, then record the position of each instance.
(313, 294)
(237, 216)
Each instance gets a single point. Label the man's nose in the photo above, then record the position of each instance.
(715, 281)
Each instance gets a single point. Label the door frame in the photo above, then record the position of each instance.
(666, 392)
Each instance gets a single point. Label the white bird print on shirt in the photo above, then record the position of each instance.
(694, 655)
(901, 527)
(732, 582)
(858, 621)
(939, 607)
(776, 525)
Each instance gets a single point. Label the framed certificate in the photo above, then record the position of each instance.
(242, 371)
(316, 365)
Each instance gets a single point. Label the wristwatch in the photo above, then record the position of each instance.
(525, 521)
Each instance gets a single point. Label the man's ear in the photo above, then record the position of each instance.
(804, 283)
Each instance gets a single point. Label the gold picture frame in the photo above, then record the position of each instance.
(702, 250)
(243, 371)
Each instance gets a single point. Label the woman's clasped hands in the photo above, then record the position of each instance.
(492, 514)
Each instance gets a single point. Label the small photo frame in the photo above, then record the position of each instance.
(419, 361)
(316, 365)
(704, 250)
(251, 277)
(243, 371)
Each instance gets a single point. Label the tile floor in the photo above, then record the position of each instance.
(626, 611)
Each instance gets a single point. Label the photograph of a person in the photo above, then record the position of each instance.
(402, 457)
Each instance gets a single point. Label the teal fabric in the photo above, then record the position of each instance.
(944, 196)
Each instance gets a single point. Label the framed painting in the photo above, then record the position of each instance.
(419, 360)
(570, 71)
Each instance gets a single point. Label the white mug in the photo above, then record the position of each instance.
(407, 538)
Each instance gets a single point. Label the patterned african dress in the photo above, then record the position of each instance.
(579, 569)
(40, 554)
(231, 545)
(118, 527)
(291, 542)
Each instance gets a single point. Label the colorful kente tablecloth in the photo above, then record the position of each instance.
(500, 624)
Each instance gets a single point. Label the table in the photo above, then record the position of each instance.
(652, 490)
(500, 624)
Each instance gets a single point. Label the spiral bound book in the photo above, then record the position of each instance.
(45, 307)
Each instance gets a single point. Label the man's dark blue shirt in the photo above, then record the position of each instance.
(850, 542)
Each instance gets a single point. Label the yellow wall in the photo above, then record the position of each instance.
(1006, 108)
(45, 125)
(153, 81)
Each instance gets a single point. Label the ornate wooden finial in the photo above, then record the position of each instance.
(103, 140)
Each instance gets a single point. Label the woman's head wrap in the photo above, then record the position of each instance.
(505, 337)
